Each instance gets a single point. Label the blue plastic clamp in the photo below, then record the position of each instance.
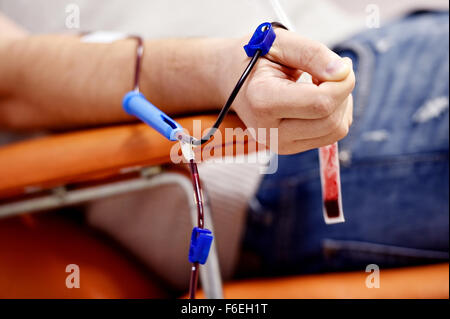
(201, 241)
(262, 40)
(137, 105)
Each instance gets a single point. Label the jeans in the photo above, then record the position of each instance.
(394, 165)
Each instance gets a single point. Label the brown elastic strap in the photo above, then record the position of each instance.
(139, 54)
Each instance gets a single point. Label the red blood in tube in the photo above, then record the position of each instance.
(331, 186)
(200, 223)
(332, 208)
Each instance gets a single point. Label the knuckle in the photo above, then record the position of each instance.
(333, 122)
(314, 51)
(352, 81)
(319, 49)
(324, 105)
(342, 130)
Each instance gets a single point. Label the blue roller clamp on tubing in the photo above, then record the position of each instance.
(134, 103)
(201, 240)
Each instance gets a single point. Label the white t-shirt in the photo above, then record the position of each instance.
(320, 19)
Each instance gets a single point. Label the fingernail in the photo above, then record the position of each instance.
(336, 67)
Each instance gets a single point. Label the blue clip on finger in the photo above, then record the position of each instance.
(201, 241)
(136, 104)
(262, 40)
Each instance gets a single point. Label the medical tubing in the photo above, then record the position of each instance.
(226, 107)
(200, 223)
(193, 281)
(193, 166)
(198, 194)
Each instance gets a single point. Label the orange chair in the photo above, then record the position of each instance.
(66, 169)
(421, 282)
(69, 168)
(36, 252)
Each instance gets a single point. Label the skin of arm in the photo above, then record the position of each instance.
(59, 82)
(55, 81)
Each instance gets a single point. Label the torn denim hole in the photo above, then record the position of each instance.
(383, 45)
(432, 108)
(345, 157)
(375, 136)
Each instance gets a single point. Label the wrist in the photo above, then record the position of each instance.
(232, 63)
(183, 75)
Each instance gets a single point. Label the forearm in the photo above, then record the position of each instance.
(58, 81)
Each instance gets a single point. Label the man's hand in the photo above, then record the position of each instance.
(307, 115)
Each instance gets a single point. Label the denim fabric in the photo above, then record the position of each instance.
(394, 165)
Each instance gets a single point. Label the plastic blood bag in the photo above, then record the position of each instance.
(331, 184)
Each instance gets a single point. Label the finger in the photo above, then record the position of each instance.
(298, 146)
(307, 55)
(305, 100)
(339, 91)
(307, 129)
(350, 113)
(281, 71)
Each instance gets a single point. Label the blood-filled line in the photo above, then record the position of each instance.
(331, 183)
(200, 222)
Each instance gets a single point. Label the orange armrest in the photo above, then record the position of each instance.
(429, 281)
(78, 156)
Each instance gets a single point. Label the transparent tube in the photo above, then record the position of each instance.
(187, 148)
(331, 184)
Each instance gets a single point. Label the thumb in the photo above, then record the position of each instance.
(294, 51)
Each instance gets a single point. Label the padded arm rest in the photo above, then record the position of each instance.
(79, 156)
(420, 282)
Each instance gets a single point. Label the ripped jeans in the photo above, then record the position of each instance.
(394, 166)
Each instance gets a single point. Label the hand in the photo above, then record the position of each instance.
(307, 115)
